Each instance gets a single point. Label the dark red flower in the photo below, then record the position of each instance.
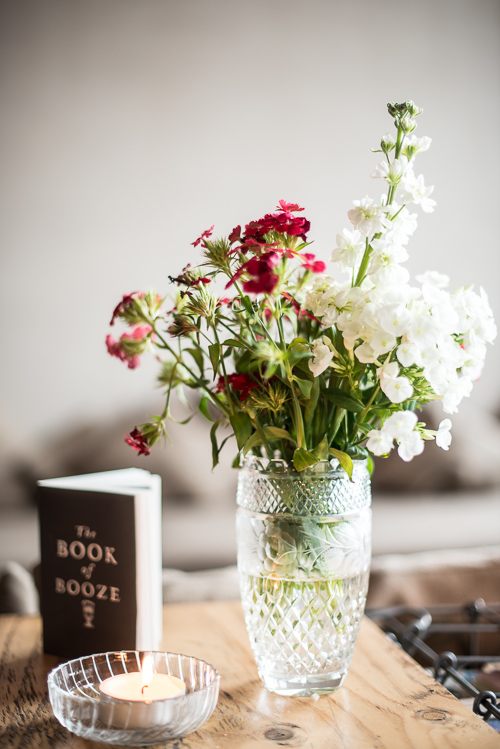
(204, 235)
(138, 441)
(259, 269)
(235, 234)
(239, 381)
(316, 266)
(126, 301)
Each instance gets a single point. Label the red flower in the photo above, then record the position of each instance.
(186, 278)
(316, 266)
(124, 352)
(138, 442)
(262, 280)
(288, 207)
(235, 234)
(204, 235)
(240, 381)
(125, 302)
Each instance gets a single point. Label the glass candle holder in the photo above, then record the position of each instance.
(87, 710)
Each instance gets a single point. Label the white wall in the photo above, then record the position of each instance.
(129, 127)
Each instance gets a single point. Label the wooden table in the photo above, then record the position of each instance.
(387, 700)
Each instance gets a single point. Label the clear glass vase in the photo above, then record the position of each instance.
(304, 546)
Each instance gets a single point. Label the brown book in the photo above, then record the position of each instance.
(100, 540)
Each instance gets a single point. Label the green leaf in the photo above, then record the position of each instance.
(305, 387)
(242, 427)
(254, 440)
(233, 342)
(197, 356)
(344, 460)
(303, 459)
(321, 449)
(213, 439)
(214, 352)
(247, 303)
(340, 398)
(275, 433)
(203, 408)
(312, 403)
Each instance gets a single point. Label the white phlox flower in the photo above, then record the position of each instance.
(454, 394)
(350, 248)
(410, 445)
(322, 356)
(394, 318)
(382, 342)
(400, 424)
(396, 388)
(367, 217)
(407, 353)
(379, 442)
(443, 435)
(413, 190)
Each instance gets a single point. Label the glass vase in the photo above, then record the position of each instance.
(304, 546)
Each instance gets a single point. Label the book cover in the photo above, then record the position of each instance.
(101, 563)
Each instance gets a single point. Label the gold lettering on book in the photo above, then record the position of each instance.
(79, 549)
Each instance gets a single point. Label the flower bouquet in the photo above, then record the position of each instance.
(309, 373)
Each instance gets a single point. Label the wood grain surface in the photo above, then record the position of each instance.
(388, 701)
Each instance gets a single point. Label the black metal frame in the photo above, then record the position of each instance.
(418, 625)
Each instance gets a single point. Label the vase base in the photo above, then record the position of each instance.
(303, 686)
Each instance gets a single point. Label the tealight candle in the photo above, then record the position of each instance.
(136, 699)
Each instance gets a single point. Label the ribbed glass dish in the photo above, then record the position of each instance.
(304, 545)
(81, 708)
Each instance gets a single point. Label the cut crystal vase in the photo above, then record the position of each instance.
(304, 545)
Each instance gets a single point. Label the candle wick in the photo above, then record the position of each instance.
(144, 687)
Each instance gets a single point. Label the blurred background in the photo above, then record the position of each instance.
(130, 127)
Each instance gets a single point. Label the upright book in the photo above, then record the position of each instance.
(100, 540)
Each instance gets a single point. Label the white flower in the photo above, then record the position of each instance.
(388, 371)
(415, 191)
(367, 217)
(400, 424)
(322, 357)
(443, 436)
(433, 278)
(410, 445)
(394, 318)
(350, 245)
(398, 389)
(414, 145)
(379, 442)
(365, 354)
(382, 342)
(391, 172)
(453, 394)
(407, 353)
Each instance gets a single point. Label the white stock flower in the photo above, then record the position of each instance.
(414, 145)
(322, 357)
(415, 191)
(350, 247)
(392, 173)
(443, 436)
(400, 424)
(367, 217)
(410, 445)
(433, 278)
(379, 442)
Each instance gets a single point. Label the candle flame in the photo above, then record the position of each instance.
(147, 671)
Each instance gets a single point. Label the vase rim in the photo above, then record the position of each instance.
(277, 467)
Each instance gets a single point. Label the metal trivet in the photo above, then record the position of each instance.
(413, 626)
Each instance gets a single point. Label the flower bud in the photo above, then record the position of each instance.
(388, 143)
(412, 109)
(407, 124)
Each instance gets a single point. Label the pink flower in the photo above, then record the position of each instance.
(125, 302)
(204, 235)
(186, 278)
(122, 348)
(138, 442)
(288, 207)
(318, 266)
